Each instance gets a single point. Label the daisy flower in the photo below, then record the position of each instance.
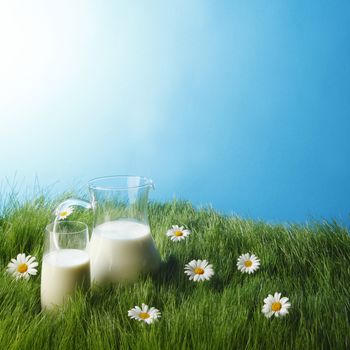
(247, 263)
(145, 314)
(275, 305)
(177, 233)
(23, 266)
(63, 214)
(199, 270)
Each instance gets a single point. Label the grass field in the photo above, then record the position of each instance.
(309, 264)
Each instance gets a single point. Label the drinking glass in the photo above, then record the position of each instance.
(66, 262)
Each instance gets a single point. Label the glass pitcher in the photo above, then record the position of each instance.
(121, 246)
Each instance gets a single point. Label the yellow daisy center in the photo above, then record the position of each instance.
(198, 271)
(63, 213)
(178, 233)
(277, 306)
(22, 268)
(144, 315)
(248, 263)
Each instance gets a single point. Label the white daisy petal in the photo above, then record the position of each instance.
(193, 263)
(202, 264)
(283, 312)
(30, 259)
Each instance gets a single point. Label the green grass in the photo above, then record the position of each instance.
(309, 264)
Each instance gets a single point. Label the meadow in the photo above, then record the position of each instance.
(308, 263)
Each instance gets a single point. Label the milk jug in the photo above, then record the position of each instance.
(121, 246)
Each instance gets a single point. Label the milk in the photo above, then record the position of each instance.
(120, 250)
(62, 272)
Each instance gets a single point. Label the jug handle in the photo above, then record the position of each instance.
(62, 207)
(71, 202)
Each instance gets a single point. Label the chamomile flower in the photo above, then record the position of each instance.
(63, 214)
(275, 305)
(145, 314)
(23, 266)
(247, 263)
(177, 233)
(199, 270)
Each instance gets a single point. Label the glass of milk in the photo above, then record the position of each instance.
(121, 247)
(66, 262)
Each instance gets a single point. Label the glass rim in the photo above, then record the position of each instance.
(50, 226)
(94, 183)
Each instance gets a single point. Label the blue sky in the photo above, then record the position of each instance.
(244, 105)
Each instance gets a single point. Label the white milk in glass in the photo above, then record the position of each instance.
(62, 272)
(120, 250)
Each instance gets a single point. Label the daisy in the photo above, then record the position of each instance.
(63, 214)
(247, 263)
(23, 267)
(177, 233)
(144, 314)
(199, 270)
(275, 305)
